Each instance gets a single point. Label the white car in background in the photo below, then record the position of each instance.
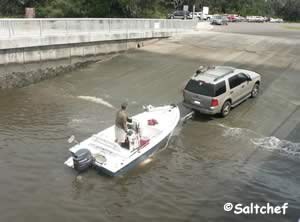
(276, 20)
(259, 19)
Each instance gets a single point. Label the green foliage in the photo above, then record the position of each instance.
(291, 10)
(9, 7)
(287, 9)
(61, 8)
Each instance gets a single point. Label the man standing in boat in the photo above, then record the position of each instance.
(121, 126)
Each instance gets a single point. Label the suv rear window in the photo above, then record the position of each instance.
(200, 87)
(206, 89)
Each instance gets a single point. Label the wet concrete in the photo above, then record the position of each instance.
(250, 156)
(24, 66)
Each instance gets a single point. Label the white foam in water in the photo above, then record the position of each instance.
(269, 143)
(274, 144)
(236, 132)
(97, 100)
(77, 120)
(233, 132)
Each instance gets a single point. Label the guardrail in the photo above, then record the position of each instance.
(37, 32)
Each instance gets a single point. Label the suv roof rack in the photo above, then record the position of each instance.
(222, 76)
(203, 69)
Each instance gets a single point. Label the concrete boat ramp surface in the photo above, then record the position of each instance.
(253, 155)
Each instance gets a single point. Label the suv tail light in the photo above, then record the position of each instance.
(214, 102)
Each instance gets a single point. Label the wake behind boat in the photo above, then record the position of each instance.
(147, 132)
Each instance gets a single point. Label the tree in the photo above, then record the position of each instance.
(291, 10)
(9, 7)
(288, 9)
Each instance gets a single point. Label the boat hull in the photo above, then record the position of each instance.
(134, 163)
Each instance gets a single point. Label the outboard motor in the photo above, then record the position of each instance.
(82, 160)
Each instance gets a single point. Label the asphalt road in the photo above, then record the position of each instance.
(283, 30)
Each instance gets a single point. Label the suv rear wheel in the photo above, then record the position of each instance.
(226, 108)
(255, 90)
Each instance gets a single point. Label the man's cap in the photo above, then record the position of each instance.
(124, 105)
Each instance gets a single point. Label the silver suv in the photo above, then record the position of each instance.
(219, 20)
(213, 90)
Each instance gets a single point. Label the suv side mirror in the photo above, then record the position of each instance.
(249, 78)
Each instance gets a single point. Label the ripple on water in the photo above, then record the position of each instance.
(282, 146)
(272, 143)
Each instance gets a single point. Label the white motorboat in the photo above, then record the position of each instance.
(148, 131)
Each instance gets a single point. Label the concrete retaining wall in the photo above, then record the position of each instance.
(74, 41)
(22, 33)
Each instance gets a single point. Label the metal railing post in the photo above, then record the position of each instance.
(40, 23)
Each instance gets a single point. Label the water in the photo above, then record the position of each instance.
(208, 161)
(190, 180)
(282, 146)
(97, 100)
